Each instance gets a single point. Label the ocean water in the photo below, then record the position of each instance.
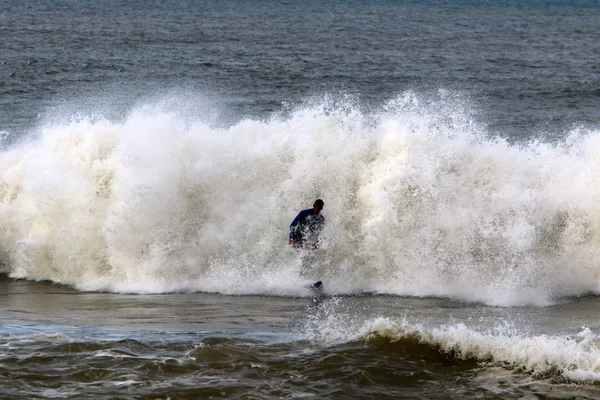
(153, 155)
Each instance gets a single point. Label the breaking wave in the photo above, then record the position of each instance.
(419, 201)
(574, 358)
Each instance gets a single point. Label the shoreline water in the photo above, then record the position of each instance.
(405, 344)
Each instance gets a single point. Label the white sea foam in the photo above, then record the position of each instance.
(418, 201)
(576, 358)
(18, 340)
(508, 346)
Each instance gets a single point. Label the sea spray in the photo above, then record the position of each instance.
(419, 201)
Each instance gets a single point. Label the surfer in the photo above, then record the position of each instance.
(306, 227)
(304, 235)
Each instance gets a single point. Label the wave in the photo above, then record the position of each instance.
(574, 358)
(419, 201)
(555, 357)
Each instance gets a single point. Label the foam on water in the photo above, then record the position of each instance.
(506, 345)
(575, 358)
(418, 200)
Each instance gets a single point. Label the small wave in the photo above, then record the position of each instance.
(574, 358)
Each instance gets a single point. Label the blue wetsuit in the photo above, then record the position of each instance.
(306, 227)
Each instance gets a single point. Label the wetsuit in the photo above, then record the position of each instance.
(305, 228)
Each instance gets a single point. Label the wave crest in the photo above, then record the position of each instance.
(576, 359)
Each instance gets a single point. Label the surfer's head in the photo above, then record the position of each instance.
(318, 206)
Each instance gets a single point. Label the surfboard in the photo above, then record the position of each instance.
(316, 287)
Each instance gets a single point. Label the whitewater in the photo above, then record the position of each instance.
(420, 200)
(571, 358)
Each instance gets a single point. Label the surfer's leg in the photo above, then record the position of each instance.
(307, 262)
(304, 265)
